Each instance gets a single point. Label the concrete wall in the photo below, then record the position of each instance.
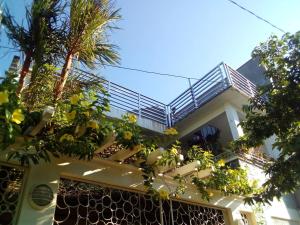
(252, 71)
(142, 122)
(285, 209)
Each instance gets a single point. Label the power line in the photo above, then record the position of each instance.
(161, 74)
(257, 16)
(152, 72)
(139, 70)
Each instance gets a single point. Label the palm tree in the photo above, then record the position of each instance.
(38, 40)
(86, 38)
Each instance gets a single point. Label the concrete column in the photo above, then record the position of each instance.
(237, 218)
(233, 120)
(40, 174)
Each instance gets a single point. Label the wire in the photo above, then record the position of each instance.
(157, 73)
(142, 70)
(152, 72)
(161, 74)
(257, 16)
(146, 71)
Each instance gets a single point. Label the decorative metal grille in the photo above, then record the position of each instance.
(82, 203)
(11, 179)
(245, 218)
(179, 213)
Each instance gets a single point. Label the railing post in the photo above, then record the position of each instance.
(167, 113)
(250, 88)
(224, 79)
(108, 87)
(139, 105)
(227, 73)
(171, 212)
(193, 93)
(161, 212)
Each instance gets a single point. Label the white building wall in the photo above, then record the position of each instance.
(128, 178)
(284, 210)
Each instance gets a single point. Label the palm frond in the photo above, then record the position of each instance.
(17, 34)
(90, 21)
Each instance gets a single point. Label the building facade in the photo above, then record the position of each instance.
(108, 190)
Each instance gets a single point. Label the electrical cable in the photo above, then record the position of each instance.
(145, 71)
(152, 72)
(257, 16)
(160, 74)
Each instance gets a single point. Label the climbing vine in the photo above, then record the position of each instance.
(221, 177)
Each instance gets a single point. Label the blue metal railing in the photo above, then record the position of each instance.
(127, 100)
(205, 89)
(212, 84)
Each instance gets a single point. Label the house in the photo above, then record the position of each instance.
(110, 191)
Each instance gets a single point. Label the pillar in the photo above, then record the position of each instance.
(233, 121)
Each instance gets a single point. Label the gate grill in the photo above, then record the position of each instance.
(83, 203)
(11, 180)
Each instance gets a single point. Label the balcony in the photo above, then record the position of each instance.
(219, 79)
(151, 114)
(212, 84)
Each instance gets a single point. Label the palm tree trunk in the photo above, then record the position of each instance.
(63, 77)
(24, 72)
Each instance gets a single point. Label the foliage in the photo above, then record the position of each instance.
(81, 129)
(77, 129)
(87, 28)
(170, 131)
(259, 214)
(127, 132)
(39, 93)
(10, 128)
(171, 156)
(204, 158)
(86, 37)
(38, 36)
(222, 177)
(41, 39)
(275, 110)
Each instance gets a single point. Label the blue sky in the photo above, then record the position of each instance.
(183, 37)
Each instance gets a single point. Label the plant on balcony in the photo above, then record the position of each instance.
(275, 111)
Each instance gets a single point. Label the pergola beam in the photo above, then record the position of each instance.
(123, 154)
(108, 141)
